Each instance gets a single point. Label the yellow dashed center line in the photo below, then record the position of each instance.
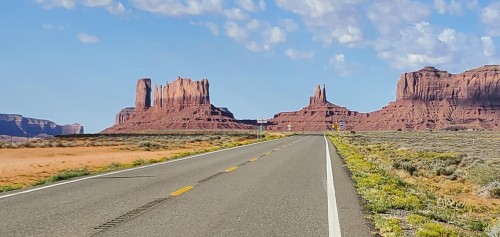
(181, 191)
(267, 153)
(231, 169)
(254, 159)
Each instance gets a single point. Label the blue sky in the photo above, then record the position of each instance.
(79, 60)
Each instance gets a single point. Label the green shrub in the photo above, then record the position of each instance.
(67, 174)
(483, 174)
(390, 227)
(435, 230)
(417, 220)
(10, 188)
(138, 162)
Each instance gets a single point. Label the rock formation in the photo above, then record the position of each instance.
(19, 126)
(181, 104)
(319, 115)
(434, 99)
(143, 94)
(425, 99)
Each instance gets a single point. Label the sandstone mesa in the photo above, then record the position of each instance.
(425, 99)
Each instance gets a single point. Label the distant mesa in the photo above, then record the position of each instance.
(434, 99)
(18, 126)
(319, 115)
(180, 104)
(426, 99)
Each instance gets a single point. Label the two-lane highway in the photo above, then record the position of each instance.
(276, 188)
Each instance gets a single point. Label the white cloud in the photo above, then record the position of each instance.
(233, 30)
(340, 65)
(352, 35)
(297, 54)
(49, 4)
(212, 27)
(447, 35)
(47, 26)
(87, 39)
(289, 25)
(453, 7)
(274, 35)
(235, 14)
(388, 16)
(250, 5)
(328, 20)
(339, 58)
(423, 44)
(112, 6)
(488, 46)
(180, 7)
(490, 16)
(253, 25)
(254, 46)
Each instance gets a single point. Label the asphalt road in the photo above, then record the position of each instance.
(277, 188)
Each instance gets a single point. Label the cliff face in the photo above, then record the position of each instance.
(429, 84)
(426, 99)
(180, 104)
(182, 92)
(143, 94)
(434, 99)
(19, 126)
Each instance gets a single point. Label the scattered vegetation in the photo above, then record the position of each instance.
(427, 183)
(67, 174)
(187, 145)
(10, 188)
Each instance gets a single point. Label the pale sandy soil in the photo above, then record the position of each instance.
(25, 166)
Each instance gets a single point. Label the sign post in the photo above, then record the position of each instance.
(260, 134)
(289, 127)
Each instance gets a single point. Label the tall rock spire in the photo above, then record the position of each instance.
(319, 97)
(143, 94)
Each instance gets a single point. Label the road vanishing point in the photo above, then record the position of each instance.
(296, 186)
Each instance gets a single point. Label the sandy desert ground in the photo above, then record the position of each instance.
(24, 165)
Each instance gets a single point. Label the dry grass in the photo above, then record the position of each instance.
(51, 159)
(454, 175)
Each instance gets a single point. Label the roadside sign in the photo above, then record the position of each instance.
(341, 125)
(261, 120)
(289, 127)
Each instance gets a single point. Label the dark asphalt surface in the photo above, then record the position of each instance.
(281, 193)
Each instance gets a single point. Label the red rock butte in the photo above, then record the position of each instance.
(181, 104)
(425, 99)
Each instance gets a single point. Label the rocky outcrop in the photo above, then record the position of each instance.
(319, 115)
(480, 85)
(19, 126)
(143, 94)
(124, 115)
(180, 104)
(426, 99)
(181, 93)
(434, 99)
(319, 97)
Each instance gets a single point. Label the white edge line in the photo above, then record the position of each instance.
(126, 170)
(333, 214)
